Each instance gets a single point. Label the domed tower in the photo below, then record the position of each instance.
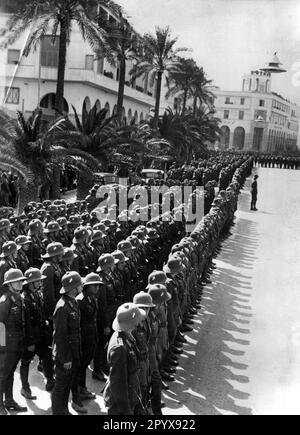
(274, 66)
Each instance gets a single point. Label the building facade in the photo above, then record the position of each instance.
(257, 119)
(30, 82)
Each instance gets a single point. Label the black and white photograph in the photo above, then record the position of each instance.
(149, 210)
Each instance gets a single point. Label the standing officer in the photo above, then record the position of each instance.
(66, 346)
(254, 193)
(38, 338)
(122, 392)
(11, 348)
(88, 307)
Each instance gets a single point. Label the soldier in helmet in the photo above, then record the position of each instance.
(11, 348)
(122, 392)
(5, 227)
(8, 261)
(97, 244)
(64, 235)
(88, 307)
(37, 249)
(38, 335)
(108, 303)
(68, 262)
(78, 247)
(15, 227)
(66, 347)
(22, 260)
(52, 232)
(53, 273)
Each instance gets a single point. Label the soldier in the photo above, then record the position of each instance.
(38, 337)
(66, 347)
(64, 235)
(8, 261)
(15, 227)
(142, 335)
(109, 302)
(254, 194)
(37, 249)
(97, 245)
(4, 231)
(122, 392)
(68, 262)
(12, 322)
(53, 273)
(88, 307)
(22, 260)
(52, 233)
(78, 247)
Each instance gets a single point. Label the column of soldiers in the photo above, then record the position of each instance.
(119, 296)
(281, 162)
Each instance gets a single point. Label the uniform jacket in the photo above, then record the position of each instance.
(123, 390)
(35, 323)
(88, 307)
(12, 317)
(52, 286)
(67, 335)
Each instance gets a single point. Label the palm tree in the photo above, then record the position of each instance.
(29, 148)
(181, 83)
(120, 45)
(202, 90)
(159, 59)
(108, 140)
(57, 17)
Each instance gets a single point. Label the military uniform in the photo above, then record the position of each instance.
(66, 348)
(12, 316)
(122, 393)
(5, 265)
(37, 334)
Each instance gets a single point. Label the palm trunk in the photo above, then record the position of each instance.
(60, 87)
(158, 96)
(184, 101)
(121, 88)
(27, 193)
(195, 106)
(55, 189)
(84, 184)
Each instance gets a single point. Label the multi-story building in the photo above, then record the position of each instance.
(30, 82)
(256, 118)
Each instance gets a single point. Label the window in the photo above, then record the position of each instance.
(226, 114)
(241, 115)
(50, 52)
(89, 62)
(262, 103)
(12, 95)
(242, 101)
(227, 101)
(13, 57)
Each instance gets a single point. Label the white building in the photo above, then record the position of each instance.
(256, 118)
(29, 82)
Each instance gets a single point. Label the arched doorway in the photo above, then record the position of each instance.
(129, 115)
(239, 138)
(86, 104)
(98, 105)
(48, 106)
(107, 108)
(115, 110)
(225, 136)
(136, 116)
(123, 113)
(141, 117)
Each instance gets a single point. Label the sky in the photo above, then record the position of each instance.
(230, 37)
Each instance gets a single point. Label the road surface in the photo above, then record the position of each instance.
(243, 357)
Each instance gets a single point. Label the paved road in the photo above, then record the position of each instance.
(244, 354)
